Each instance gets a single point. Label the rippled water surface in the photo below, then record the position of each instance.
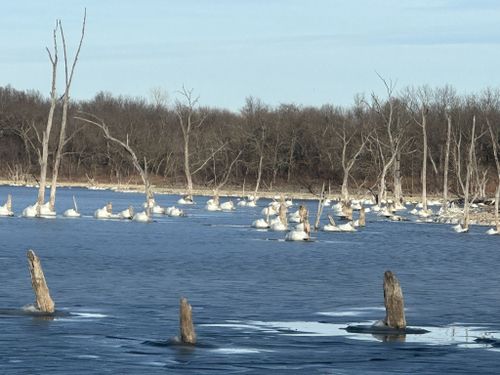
(260, 304)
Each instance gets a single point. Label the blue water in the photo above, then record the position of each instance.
(260, 305)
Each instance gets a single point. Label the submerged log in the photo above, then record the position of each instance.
(43, 302)
(394, 302)
(362, 217)
(188, 335)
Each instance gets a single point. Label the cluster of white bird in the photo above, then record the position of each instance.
(44, 211)
(275, 214)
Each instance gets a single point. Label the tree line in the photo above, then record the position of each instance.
(409, 141)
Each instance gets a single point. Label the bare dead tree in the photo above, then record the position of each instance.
(186, 114)
(394, 132)
(347, 160)
(469, 174)
(44, 155)
(68, 78)
(143, 170)
(446, 162)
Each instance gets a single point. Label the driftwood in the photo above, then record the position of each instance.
(43, 301)
(394, 302)
(188, 335)
(362, 217)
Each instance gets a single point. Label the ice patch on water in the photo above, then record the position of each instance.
(89, 315)
(88, 356)
(236, 351)
(462, 336)
(30, 308)
(239, 326)
(353, 311)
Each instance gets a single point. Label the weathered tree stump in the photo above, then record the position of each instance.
(394, 302)
(43, 301)
(282, 213)
(8, 204)
(362, 217)
(188, 335)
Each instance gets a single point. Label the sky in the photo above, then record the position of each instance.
(308, 52)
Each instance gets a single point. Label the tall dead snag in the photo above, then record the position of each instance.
(362, 217)
(43, 301)
(446, 163)
(188, 121)
(494, 142)
(394, 129)
(188, 335)
(321, 204)
(469, 174)
(394, 302)
(44, 155)
(68, 75)
(423, 96)
(348, 159)
(143, 170)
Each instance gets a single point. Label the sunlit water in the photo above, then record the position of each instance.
(260, 304)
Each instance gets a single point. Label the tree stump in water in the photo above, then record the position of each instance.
(394, 303)
(188, 335)
(362, 217)
(43, 301)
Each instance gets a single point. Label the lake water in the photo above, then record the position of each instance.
(260, 305)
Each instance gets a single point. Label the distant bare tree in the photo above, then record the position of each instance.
(68, 78)
(142, 169)
(44, 155)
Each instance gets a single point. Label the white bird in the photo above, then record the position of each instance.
(106, 212)
(6, 209)
(277, 225)
(174, 212)
(142, 217)
(187, 199)
(294, 217)
(260, 224)
(227, 206)
(30, 211)
(269, 211)
(347, 227)
(460, 229)
(297, 235)
(46, 211)
(242, 203)
(127, 213)
(492, 231)
(72, 212)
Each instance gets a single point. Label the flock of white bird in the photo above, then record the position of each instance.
(276, 215)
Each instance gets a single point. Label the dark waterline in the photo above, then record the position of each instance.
(260, 305)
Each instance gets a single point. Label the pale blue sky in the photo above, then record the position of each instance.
(307, 52)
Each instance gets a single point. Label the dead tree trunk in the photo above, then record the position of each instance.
(494, 143)
(43, 302)
(446, 164)
(143, 171)
(362, 217)
(64, 117)
(398, 190)
(44, 156)
(321, 203)
(188, 335)
(394, 302)
(469, 174)
(424, 157)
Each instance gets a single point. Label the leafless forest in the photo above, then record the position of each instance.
(398, 143)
